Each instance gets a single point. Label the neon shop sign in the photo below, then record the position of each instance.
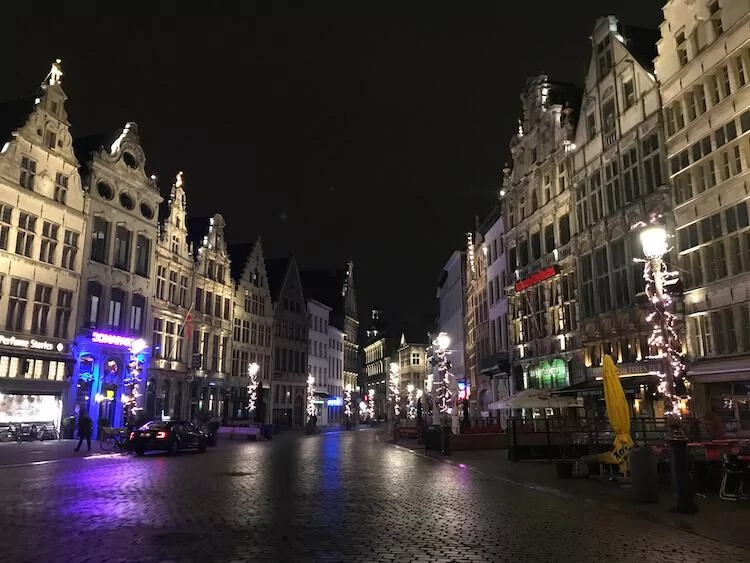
(134, 344)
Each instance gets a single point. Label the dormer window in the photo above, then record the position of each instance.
(50, 139)
(604, 56)
(28, 173)
(628, 92)
(53, 108)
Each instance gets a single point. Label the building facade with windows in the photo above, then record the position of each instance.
(42, 226)
(289, 381)
(703, 66)
(318, 317)
(252, 333)
(117, 288)
(378, 356)
(335, 381)
(496, 367)
(451, 298)
(212, 319)
(411, 356)
(477, 329)
(172, 307)
(542, 306)
(618, 181)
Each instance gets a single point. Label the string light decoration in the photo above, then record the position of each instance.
(666, 328)
(348, 402)
(131, 382)
(252, 387)
(310, 396)
(444, 394)
(371, 404)
(393, 388)
(411, 411)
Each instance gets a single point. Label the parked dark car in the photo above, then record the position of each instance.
(169, 436)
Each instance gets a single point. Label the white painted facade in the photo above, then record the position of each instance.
(451, 296)
(703, 67)
(318, 316)
(335, 381)
(497, 281)
(42, 229)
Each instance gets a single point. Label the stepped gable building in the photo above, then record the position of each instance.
(252, 332)
(290, 341)
(212, 318)
(42, 231)
(173, 306)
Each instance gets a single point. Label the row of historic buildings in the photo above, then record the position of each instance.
(550, 283)
(112, 300)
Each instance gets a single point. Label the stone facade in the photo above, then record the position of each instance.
(537, 215)
(703, 66)
(42, 230)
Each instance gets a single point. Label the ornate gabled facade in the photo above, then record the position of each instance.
(117, 288)
(172, 307)
(289, 381)
(703, 67)
(618, 181)
(252, 335)
(115, 305)
(42, 227)
(537, 209)
(212, 318)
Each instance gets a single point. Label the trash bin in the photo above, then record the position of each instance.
(644, 475)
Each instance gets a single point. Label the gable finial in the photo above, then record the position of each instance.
(55, 73)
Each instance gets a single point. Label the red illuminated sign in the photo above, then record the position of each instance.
(536, 277)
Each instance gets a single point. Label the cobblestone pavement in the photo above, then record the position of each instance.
(333, 497)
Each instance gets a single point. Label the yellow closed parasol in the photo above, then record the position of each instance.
(618, 413)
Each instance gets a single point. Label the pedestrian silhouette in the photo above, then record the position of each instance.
(84, 431)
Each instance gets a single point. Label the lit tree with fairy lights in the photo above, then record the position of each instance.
(252, 387)
(347, 402)
(393, 388)
(310, 397)
(666, 328)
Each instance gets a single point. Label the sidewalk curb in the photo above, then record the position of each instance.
(635, 512)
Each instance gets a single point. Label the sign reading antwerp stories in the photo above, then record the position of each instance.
(536, 277)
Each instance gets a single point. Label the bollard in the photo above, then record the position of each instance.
(644, 474)
(681, 480)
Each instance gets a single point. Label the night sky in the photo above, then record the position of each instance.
(331, 131)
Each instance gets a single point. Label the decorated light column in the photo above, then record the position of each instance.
(131, 383)
(665, 326)
(252, 387)
(442, 395)
(371, 404)
(394, 397)
(310, 397)
(666, 337)
(411, 411)
(348, 404)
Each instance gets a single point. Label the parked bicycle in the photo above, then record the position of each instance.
(115, 441)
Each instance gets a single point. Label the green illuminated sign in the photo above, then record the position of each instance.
(549, 375)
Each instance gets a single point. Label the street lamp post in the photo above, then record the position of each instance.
(665, 337)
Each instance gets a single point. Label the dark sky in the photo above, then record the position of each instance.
(374, 132)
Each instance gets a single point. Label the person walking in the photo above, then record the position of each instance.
(84, 431)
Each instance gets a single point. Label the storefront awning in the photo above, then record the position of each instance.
(321, 395)
(717, 371)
